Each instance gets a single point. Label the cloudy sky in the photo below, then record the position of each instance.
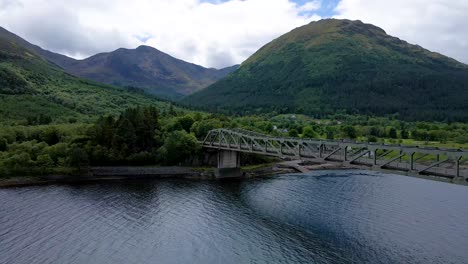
(219, 33)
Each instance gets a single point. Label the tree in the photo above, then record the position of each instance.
(178, 147)
(461, 139)
(50, 135)
(41, 119)
(57, 151)
(171, 110)
(392, 133)
(309, 132)
(44, 162)
(137, 130)
(197, 116)
(78, 158)
(44, 119)
(18, 161)
(350, 132)
(330, 133)
(125, 138)
(103, 131)
(375, 131)
(419, 134)
(3, 144)
(186, 122)
(201, 128)
(404, 134)
(293, 133)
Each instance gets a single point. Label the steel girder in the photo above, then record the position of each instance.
(395, 157)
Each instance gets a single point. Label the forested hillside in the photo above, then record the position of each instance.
(34, 91)
(341, 66)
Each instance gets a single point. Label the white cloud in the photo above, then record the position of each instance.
(219, 33)
(213, 34)
(311, 6)
(438, 25)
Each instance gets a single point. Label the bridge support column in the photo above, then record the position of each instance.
(412, 161)
(228, 164)
(345, 153)
(457, 168)
(375, 157)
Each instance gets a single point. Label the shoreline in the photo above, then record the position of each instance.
(110, 174)
(135, 173)
(105, 174)
(125, 173)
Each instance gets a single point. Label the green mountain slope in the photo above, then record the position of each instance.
(34, 91)
(52, 57)
(334, 66)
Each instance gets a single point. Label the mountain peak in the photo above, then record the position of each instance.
(335, 26)
(149, 69)
(334, 22)
(144, 67)
(146, 48)
(336, 65)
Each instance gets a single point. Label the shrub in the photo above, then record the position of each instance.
(50, 135)
(293, 133)
(44, 163)
(178, 147)
(78, 159)
(3, 144)
(309, 132)
(201, 128)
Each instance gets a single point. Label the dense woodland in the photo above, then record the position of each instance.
(168, 136)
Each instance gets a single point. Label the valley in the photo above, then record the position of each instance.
(334, 142)
(332, 79)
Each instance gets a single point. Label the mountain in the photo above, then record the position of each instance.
(56, 58)
(35, 91)
(342, 66)
(147, 68)
(144, 67)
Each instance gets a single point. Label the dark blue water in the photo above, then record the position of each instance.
(322, 217)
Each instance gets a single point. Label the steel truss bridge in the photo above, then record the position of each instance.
(409, 160)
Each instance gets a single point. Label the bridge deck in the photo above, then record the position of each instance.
(442, 162)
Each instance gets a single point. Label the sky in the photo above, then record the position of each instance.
(220, 33)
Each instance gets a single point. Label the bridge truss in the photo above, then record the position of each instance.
(414, 160)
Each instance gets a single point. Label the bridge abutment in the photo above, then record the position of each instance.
(228, 164)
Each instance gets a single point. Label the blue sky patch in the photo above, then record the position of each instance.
(326, 10)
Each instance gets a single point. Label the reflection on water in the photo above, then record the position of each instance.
(321, 217)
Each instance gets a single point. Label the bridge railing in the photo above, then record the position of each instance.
(423, 160)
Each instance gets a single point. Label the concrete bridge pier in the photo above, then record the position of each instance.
(228, 164)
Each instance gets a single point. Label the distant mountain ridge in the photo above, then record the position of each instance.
(55, 58)
(342, 66)
(33, 91)
(144, 67)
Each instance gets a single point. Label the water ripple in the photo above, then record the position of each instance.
(320, 217)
